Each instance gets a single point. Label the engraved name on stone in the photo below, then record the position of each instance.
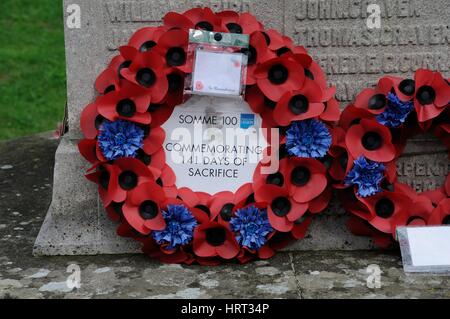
(413, 34)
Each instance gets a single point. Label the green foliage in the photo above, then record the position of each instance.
(32, 66)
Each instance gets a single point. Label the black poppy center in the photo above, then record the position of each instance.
(99, 121)
(309, 74)
(117, 207)
(147, 46)
(216, 236)
(446, 220)
(124, 65)
(104, 179)
(267, 38)
(281, 206)
(407, 87)
(148, 210)
(146, 77)
(110, 88)
(234, 28)
(384, 208)
(204, 208)
(426, 95)
(128, 180)
(204, 25)
(377, 102)
(278, 74)
(250, 199)
(372, 141)
(282, 51)
(269, 103)
(275, 179)
(227, 211)
(126, 108)
(343, 161)
(327, 160)
(251, 54)
(299, 104)
(143, 157)
(300, 176)
(175, 82)
(176, 56)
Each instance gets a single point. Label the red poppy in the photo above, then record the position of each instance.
(360, 227)
(282, 210)
(111, 79)
(214, 239)
(142, 208)
(321, 202)
(115, 181)
(197, 18)
(224, 203)
(441, 214)
(301, 104)
(352, 204)
(243, 23)
(305, 178)
(160, 113)
(403, 88)
(301, 227)
(90, 120)
(352, 115)
(258, 52)
(114, 211)
(88, 149)
(167, 181)
(146, 38)
(384, 208)
(372, 100)
(417, 214)
(274, 39)
(130, 104)
(147, 70)
(153, 250)
(277, 76)
(332, 112)
(276, 178)
(432, 94)
(107, 81)
(173, 47)
(371, 140)
(198, 202)
(259, 103)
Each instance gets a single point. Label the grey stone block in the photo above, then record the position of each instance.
(412, 34)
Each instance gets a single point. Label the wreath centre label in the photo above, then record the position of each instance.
(213, 144)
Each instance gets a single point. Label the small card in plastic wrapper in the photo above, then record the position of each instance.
(219, 63)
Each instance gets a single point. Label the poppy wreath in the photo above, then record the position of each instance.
(372, 135)
(138, 92)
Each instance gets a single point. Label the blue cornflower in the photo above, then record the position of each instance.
(396, 111)
(120, 139)
(367, 175)
(179, 229)
(309, 138)
(251, 226)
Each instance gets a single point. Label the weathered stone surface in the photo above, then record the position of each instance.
(413, 34)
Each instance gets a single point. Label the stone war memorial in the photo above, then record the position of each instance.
(355, 42)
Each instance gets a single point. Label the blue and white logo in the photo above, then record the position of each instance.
(247, 120)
